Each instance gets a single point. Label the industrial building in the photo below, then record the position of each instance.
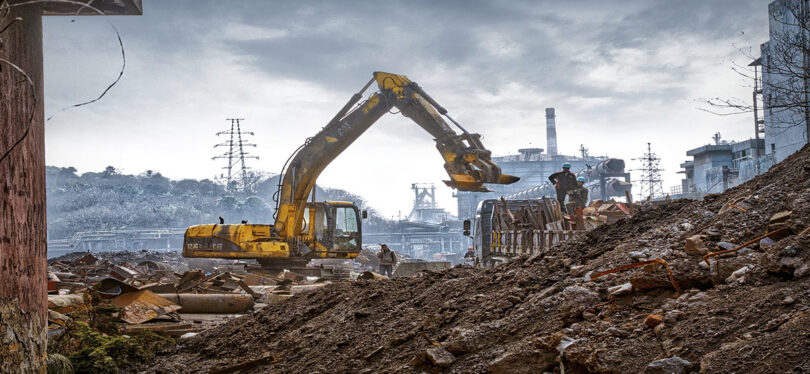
(717, 167)
(429, 231)
(532, 165)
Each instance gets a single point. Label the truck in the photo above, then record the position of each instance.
(503, 229)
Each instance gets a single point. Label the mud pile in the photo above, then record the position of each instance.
(747, 311)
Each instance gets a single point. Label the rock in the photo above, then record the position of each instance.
(639, 255)
(713, 235)
(780, 217)
(658, 330)
(672, 365)
(765, 243)
(534, 361)
(788, 300)
(802, 270)
(723, 269)
(695, 246)
(575, 296)
(726, 245)
(653, 320)
(621, 289)
(673, 316)
(615, 331)
(738, 274)
(577, 270)
(440, 357)
(700, 296)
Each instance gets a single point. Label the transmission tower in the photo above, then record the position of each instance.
(650, 182)
(583, 150)
(235, 154)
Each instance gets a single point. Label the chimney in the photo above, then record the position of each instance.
(551, 132)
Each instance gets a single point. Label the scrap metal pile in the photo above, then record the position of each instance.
(718, 285)
(152, 295)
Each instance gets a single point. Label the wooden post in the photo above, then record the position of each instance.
(23, 241)
(23, 270)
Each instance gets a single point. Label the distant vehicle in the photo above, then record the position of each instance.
(503, 229)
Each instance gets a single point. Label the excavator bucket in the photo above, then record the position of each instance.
(465, 183)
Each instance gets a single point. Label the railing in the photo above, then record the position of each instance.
(527, 242)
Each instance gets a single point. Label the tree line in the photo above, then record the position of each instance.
(112, 200)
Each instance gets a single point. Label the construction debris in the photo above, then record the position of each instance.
(547, 310)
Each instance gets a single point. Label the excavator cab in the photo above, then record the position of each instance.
(335, 231)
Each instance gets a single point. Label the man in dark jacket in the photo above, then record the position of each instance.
(564, 181)
(387, 261)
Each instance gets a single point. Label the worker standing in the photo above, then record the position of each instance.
(579, 195)
(564, 181)
(387, 261)
(577, 200)
(469, 257)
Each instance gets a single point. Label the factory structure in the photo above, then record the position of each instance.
(429, 232)
(605, 176)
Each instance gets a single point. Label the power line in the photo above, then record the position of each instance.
(651, 183)
(235, 155)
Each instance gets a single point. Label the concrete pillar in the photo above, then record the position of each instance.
(23, 291)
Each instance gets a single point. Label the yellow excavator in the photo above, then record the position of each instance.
(320, 230)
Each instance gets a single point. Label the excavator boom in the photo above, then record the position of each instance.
(466, 160)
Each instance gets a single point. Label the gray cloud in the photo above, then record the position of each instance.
(626, 67)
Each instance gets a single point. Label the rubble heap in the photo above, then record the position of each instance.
(724, 287)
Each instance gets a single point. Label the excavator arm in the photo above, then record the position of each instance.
(466, 160)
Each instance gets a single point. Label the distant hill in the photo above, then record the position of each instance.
(110, 200)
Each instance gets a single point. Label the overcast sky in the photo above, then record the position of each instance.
(619, 73)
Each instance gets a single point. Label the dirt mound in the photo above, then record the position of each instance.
(747, 311)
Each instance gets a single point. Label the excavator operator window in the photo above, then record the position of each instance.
(345, 228)
(320, 224)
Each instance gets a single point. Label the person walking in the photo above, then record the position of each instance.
(387, 261)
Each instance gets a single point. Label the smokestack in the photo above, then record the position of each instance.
(551, 132)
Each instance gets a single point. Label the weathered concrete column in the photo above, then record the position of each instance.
(23, 295)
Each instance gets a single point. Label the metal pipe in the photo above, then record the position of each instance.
(211, 303)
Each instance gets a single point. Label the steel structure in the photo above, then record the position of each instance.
(650, 183)
(235, 154)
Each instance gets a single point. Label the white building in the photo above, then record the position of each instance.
(784, 78)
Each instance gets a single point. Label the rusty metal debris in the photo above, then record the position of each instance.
(141, 306)
(640, 264)
(737, 207)
(752, 241)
